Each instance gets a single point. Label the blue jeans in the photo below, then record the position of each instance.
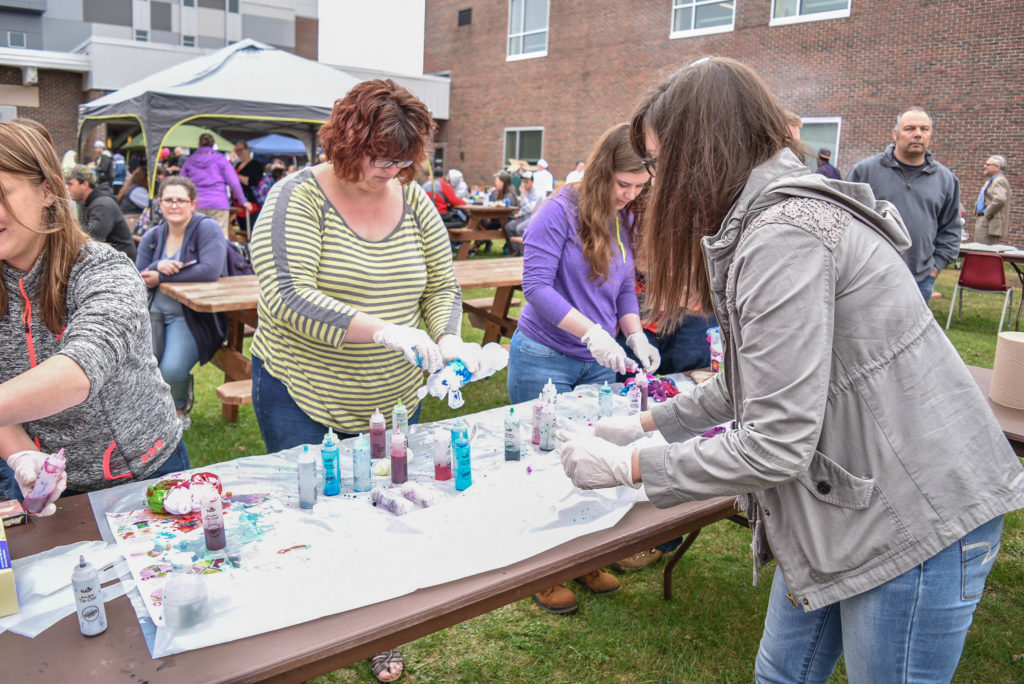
(927, 286)
(910, 629)
(283, 424)
(176, 351)
(530, 364)
(175, 463)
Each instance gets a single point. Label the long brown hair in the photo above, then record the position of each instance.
(715, 121)
(612, 154)
(25, 152)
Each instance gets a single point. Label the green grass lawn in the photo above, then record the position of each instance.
(708, 632)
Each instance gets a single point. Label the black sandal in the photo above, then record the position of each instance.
(383, 664)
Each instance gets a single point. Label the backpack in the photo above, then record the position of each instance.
(237, 258)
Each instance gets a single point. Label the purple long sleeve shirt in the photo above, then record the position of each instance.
(555, 276)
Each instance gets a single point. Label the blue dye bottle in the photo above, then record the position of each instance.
(605, 402)
(332, 473)
(361, 464)
(460, 449)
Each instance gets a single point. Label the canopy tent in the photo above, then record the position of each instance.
(246, 86)
(182, 135)
(275, 143)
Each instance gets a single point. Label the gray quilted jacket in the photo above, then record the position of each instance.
(860, 433)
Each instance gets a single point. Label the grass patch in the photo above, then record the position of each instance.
(709, 631)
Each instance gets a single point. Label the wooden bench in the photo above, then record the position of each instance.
(235, 393)
(472, 306)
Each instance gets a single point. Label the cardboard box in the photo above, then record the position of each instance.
(8, 594)
(12, 513)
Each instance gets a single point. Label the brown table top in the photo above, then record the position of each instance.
(1010, 419)
(482, 211)
(302, 651)
(240, 293)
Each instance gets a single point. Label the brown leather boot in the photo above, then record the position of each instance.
(599, 582)
(558, 599)
(638, 560)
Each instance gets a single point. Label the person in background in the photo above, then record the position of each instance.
(528, 201)
(352, 258)
(78, 370)
(867, 461)
(993, 206)
(578, 280)
(925, 192)
(183, 247)
(447, 202)
(250, 173)
(458, 184)
(134, 196)
(542, 178)
(825, 167)
(120, 174)
(98, 211)
(68, 161)
(103, 165)
(213, 177)
(502, 193)
(275, 174)
(576, 175)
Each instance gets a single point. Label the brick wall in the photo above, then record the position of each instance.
(960, 61)
(307, 38)
(60, 93)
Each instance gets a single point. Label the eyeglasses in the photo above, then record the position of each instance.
(991, 164)
(388, 163)
(174, 201)
(651, 165)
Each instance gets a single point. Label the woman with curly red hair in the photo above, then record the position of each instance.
(352, 258)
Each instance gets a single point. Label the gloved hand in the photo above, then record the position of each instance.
(605, 349)
(620, 430)
(413, 343)
(26, 466)
(593, 463)
(648, 354)
(452, 347)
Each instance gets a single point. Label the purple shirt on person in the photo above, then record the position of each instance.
(555, 276)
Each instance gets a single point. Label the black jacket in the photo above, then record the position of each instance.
(101, 218)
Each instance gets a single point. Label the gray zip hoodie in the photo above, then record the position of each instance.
(860, 432)
(126, 428)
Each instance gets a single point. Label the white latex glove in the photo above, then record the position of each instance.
(605, 349)
(452, 347)
(593, 463)
(26, 466)
(413, 343)
(648, 354)
(620, 430)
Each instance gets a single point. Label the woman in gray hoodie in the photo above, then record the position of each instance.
(77, 369)
(867, 460)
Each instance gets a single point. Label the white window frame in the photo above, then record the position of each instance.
(141, 35)
(24, 40)
(838, 121)
(801, 18)
(510, 34)
(518, 129)
(185, 38)
(676, 4)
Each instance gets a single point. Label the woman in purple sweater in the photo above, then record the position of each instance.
(578, 279)
(214, 177)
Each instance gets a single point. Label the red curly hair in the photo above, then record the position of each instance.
(379, 119)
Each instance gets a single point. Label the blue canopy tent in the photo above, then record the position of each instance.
(275, 143)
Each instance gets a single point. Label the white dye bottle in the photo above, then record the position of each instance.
(85, 582)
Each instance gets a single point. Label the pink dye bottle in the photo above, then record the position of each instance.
(642, 383)
(212, 512)
(399, 457)
(378, 435)
(442, 455)
(538, 407)
(45, 482)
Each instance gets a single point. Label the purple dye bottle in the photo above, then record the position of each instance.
(212, 512)
(399, 457)
(642, 382)
(45, 482)
(378, 435)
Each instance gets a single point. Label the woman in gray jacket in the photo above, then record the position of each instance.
(76, 362)
(864, 453)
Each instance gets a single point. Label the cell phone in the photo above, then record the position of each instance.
(190, 263)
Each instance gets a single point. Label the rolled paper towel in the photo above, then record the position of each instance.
(1007, 386)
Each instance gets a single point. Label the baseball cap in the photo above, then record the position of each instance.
(543, 163)
(99, 143)
(825, 153)
(526, 175)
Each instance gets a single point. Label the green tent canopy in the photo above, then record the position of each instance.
(183, 135)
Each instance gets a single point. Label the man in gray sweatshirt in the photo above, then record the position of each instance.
(925, 192)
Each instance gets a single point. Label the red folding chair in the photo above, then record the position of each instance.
(981, 273)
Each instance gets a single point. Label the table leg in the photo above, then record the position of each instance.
(499, 309)
(1020, 306)
(687, 543)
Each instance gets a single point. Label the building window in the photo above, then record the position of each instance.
(188, 41)
(233, 6)
(16, 39)
(466, 17)
(527, 29)
(795, 11)
(188, 3)
(699, 17)
(523, 143)
(818, 132)
(141, 35)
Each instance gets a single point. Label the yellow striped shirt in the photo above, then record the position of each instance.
(315, 274)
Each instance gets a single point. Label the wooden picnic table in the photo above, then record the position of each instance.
(237, 297)
(472, 231)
